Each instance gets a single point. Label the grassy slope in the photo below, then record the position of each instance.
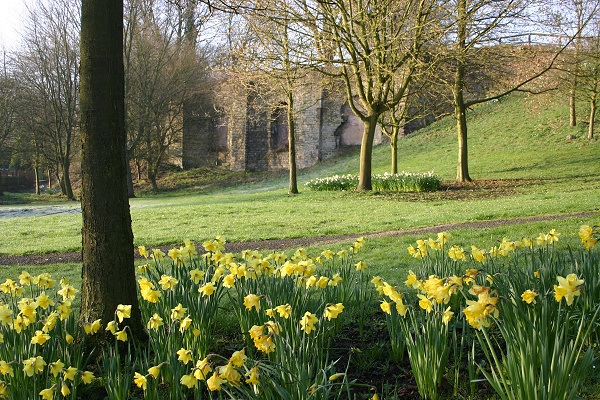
(515, 138)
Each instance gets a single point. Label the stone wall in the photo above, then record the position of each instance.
(247, 134)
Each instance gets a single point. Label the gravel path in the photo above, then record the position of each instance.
(281, 244)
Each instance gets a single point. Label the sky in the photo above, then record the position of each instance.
(11, 12)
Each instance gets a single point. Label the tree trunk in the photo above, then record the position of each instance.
(130, 191)
(592, 118)
(572, 111)
(108, 276)
(394, 148)
(37, 179)
(460, 109)
(366, 153)
(66, 180)
(293, 188)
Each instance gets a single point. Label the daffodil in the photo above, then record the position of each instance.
(92, 328)
(143, 251)
(33, 365)
(140, 381)
(167, 282)
(196, 275)
(333, 310)
(251, 301)
(189, 381)
(6, 369)
(208, 289)
(238, 358)
(25, 278)
(48, 394)
(154, 371)
(447, 316)
(87, 377)
(123, 311)
(457, 253)
(67, 292)
(360, 266)
(155, 322)
(185, 356)
(386, 307)
(528, 296)
(40, 338)
(567, 288)
(121, 335)
(425, 303)
(284, 310)
(69, 374)
(44, 301)
(202, 369)
(252, 376)
(229, 373)
(64, 390)
(56, 367)
(308, 321)
(185, 324)
(214, 382)
(178, 312)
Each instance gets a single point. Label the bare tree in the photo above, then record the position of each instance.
(376, 48)
(8, 108)
(590, 71)
(48, 69)
(162, 72)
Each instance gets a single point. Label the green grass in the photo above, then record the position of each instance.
(517, 138)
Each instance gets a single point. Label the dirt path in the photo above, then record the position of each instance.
(281, 244)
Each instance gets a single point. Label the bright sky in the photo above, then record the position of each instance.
(11, 13)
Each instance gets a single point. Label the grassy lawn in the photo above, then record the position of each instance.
(524, 166)
(515, 141)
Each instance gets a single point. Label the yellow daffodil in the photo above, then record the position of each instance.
(284, 310)
(335, 280)
(69, 374)
(251, 301)
(56, 368)
(447, 316)
(425, 303)
(401, 308)
(33, 365)
(478, 254)
(48, 394)
(185, 356)
(155, 322)
(40, 338)
(214, 382)
(92, 328)
(360, 266)
(154, 371)
(6, 369)
(189, 381)
(333, 310)
(202, 370)
(6, 314)
(178, 312)
(185, 324)
(87, 377)
(64, 390)
(25, 278)
(229, 373)
(528, 296)
(69, 338)
(121, 335)
(386, 307)
(123, 311)
(457, 253)
(337, 376)
(143, 251)
(167, 282)
(140, 381)
(308, 321)
(208, 289)
(567, 288)
(412, 280)
(157, 254)
(252, 376)
(196, 275)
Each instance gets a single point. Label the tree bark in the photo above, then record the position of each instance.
(592, 118)
(293, 188)
(394, 147)
(108, 277)
(460, 110)
(572, 111)
(366, 153)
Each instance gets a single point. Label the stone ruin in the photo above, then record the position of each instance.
(237, 128)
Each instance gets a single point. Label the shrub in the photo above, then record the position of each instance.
(402, 182)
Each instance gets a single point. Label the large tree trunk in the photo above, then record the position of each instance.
(108, 277)
(592, 118)
(366, 153)
(293, 188)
